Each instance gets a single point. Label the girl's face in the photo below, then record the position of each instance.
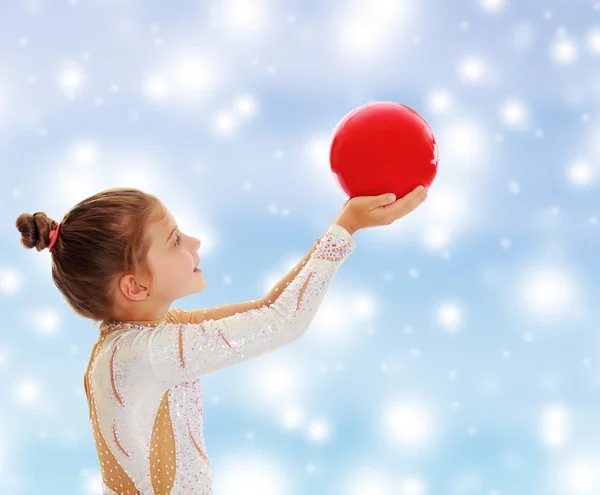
(173, 258)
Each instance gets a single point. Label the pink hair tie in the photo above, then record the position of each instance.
(53, 237)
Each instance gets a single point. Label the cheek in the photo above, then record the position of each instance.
(184, 269)
(174, 274)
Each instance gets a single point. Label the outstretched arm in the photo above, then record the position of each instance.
(203, 342)
(177, 315)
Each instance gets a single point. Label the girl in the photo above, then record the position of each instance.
(120, 260)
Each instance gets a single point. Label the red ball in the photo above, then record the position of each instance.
(383, 147)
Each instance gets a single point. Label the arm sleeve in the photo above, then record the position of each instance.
(208, 340)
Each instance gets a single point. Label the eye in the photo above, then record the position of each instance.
(177, 240)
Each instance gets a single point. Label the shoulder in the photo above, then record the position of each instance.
(177, 315)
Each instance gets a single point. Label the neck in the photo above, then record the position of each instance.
(143, 313)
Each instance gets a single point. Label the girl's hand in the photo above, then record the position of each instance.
(371, 211)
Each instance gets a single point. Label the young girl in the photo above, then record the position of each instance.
(120, 260)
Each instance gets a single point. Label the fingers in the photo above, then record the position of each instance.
(412, 197)
(377, 210)
(417, 196)
(416, 192)
(406, 204)
(421, 195)
(384, 199)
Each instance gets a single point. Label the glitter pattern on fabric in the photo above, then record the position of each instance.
(143, 383)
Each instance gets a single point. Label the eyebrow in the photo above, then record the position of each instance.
(172, 232)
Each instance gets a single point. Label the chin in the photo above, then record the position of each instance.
(200, 286)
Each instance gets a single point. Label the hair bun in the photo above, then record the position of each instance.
(35, 230)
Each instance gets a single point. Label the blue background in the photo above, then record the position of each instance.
(457, 350)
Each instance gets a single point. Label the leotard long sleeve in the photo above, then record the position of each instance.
(143, 380)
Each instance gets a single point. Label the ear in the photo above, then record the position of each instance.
(132, 288)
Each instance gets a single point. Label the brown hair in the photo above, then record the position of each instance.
(99, 239)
